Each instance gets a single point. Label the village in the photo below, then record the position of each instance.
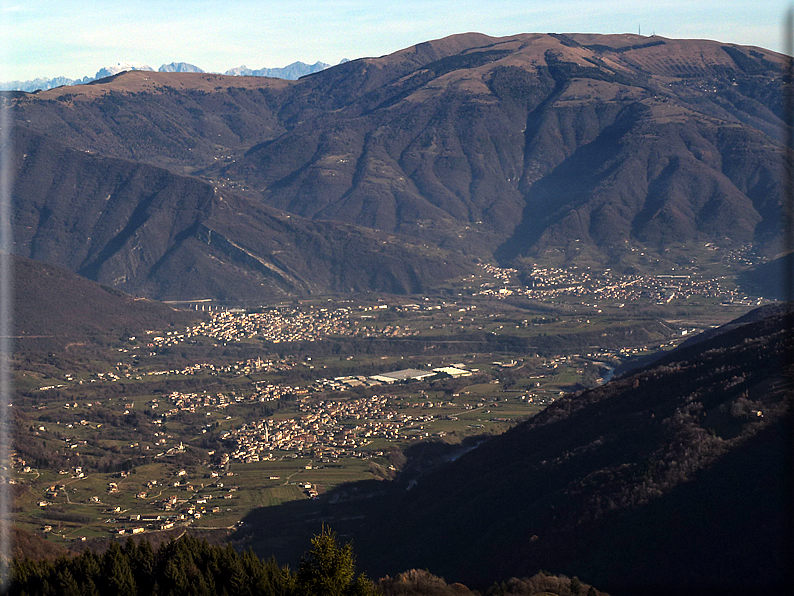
(279, 325)
(330, 429)
(550, 283)
(321, 395)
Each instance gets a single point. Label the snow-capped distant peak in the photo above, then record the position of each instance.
(109, 71)
(179, 67)
(292, 71)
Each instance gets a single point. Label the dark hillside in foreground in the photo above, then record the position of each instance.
(667, 481)
(189, 565)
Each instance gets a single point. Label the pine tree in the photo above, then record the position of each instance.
(87, 568)
(269, 579)
(89, 588)
(119, 578)
(174, 579)
(67, 585)
(329, 569)
(32, 577)
(142, 562)
(239, 582)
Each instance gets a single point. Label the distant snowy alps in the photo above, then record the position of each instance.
(109, 71)
(292, 72)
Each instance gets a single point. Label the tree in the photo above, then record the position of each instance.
(267, 578)
(87, 570)
(329, 570)
(140, 557)
(189, 566)
(67, 586)
(118, 576)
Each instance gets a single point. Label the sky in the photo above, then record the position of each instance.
(75, 38)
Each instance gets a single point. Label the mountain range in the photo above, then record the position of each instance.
(529, 149)
(292, 71)
(141, 228)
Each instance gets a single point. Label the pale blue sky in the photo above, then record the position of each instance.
(75, 38)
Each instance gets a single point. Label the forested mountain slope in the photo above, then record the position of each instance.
(529, 148)
(148, 231)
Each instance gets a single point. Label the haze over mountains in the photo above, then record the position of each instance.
(527, 149)
(292, 72)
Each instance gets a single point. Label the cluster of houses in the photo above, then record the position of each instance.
(284, 324)
(326, 429)
(189, 402)
(276, 325)
(243, 367)
(196, 504)
(552, 282)
(263, 391)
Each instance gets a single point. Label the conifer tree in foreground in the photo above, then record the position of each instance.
(190, 567)
(330, 569)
